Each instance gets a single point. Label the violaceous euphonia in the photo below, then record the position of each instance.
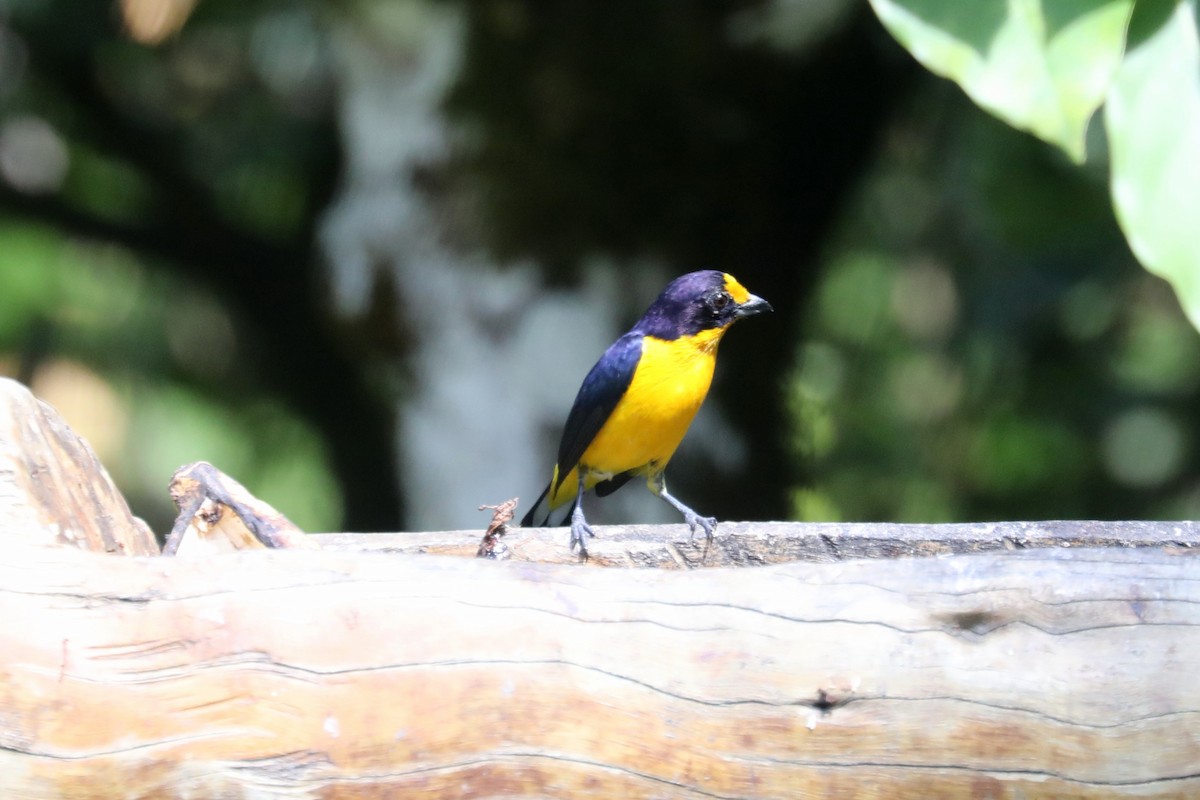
(636, 403)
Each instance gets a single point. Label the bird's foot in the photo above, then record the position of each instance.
(580, 531)
(709, 524)
(690, 518)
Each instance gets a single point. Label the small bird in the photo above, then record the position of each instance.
(638, 400)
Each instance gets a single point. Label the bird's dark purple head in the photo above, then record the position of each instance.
(696, 302)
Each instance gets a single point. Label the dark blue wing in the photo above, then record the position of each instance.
(602, 389)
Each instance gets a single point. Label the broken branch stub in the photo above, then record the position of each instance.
(53, 489)
(218, 515)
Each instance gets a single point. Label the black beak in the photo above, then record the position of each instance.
(755, 305)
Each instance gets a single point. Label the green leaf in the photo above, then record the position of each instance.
(1153, 122)
(1041, 65)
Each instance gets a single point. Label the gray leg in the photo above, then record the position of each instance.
(579, 525)
(658, 485)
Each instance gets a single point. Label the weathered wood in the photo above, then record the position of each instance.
(218, 515)
(53, 489)
(1038, 674)
(1042, 660)
(745, 544)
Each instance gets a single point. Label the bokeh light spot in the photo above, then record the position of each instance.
(925, 387)
(87, 402)
(1143, 447)
(33, 157)
(150, 22)
(924, 301)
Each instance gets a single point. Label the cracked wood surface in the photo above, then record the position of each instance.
(1031, 660)
(747, 544)
(306, 674)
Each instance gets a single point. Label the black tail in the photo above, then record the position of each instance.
(542, 507)
(527, 520)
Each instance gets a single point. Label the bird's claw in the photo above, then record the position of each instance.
(709, 524)
(580, 530)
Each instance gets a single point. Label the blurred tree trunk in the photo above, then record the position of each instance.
(657, 129)
(488, 358)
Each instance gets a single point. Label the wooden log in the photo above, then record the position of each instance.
(1053, 673)
(1037, 660)
(751, 544)
(53, 489)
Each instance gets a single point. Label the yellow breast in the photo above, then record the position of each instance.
(647, 425)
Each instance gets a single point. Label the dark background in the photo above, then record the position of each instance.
(960, 330)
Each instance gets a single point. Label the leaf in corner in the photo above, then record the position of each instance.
(1153, 123)
(1043, 66)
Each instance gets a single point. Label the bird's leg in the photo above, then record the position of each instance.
(658, 485)
(579, 525)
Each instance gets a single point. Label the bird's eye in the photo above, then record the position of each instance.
(720, 300)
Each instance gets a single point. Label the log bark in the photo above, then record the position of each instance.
(1038, 674)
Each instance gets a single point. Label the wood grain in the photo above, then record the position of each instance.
(750, 544)
(53, 489)
(1048, 673)
(219, 515)
(1016, 660)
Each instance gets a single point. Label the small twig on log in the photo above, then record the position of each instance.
(218, 514)
(491, 546)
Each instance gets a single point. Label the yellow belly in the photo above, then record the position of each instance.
(647, 425)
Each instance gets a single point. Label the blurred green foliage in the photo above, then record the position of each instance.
(961, 333)
(983, 345)
(1046, 67)
(139, 187)
(125, 351)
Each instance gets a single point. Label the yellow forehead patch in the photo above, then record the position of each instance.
(735, 289)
